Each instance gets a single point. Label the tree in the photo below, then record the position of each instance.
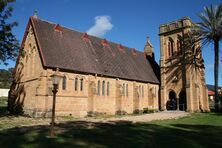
(6, 78)
(8, 42)
(210, 31)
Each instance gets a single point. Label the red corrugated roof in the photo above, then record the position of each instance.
(210, 93)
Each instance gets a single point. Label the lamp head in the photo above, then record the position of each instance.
(56, 77)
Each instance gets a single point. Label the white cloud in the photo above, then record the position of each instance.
(210, 66)
(101, 27)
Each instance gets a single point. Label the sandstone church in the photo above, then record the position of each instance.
(102, 77)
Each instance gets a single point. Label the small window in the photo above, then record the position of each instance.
(103, 88)
(179, 44)
(64, 83)
(26, 59)
(142, 91)
(98, 88)
(126, 89)
(81, 84)
(107, 89)
(172, 50)
(155, 93)
(170, 47)
(76, 84)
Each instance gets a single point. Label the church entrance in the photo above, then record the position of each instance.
(172, 102)
(182, 101)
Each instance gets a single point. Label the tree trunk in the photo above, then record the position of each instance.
(183, 61)
(216, 65)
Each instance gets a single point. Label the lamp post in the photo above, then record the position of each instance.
(56, 77)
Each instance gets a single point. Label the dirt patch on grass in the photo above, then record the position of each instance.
(8, 121)
(143, 117)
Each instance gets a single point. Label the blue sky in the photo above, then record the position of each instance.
(128, 22)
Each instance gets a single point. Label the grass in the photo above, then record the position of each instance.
(3, 106)
(3, 101)
(198, 130)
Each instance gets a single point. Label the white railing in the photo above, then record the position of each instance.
(4, 92)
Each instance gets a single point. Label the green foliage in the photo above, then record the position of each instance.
(119, 112)
(3, 106)
(23, 53)
(148, 111)
(3, 101)
(8, 42)
(145, 110)
(211, 24)
(137, 111)
(5, 78)
(210, 31)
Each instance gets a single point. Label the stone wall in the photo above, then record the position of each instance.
(89, 101)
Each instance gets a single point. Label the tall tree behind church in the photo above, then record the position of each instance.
(6, 78)
(211, 32)
(8, 42)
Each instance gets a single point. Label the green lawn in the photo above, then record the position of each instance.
(3, 101)
(199, 130)
(3, 105)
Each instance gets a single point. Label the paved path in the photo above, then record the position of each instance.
(142, 118)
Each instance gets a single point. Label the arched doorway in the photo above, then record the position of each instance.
(172, 102)
(182, 101)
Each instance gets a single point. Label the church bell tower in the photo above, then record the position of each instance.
(182, 69)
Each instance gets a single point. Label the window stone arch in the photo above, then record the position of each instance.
(103, 88)
(81, 84)
(98, 88)
(64, 82)
(127, 93)
(179, 44)
(108, 87)
(170, 47)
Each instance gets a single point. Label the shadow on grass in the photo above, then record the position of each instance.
(218, 114)
(3, 111)
(113, 134)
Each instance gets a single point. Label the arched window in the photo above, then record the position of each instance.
(64, 83)
(126, 89)
(98, 88)
(142, 91)
(107, 89)
(26, 58)
(76, 84)
(103, 88)
(81, 84)
(170, 47)
(155, 93)
(33, 61)
(179, 44)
